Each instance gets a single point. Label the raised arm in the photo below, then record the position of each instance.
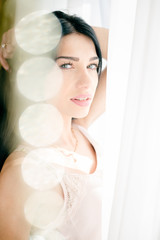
(98, 104)
(7, 47)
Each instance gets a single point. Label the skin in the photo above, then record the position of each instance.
(98, 105)
(100, 96)
(6, 53)
(79, 77)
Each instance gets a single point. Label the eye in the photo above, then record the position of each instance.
(66, 65)
(93, 66)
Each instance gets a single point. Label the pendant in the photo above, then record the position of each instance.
(71, 155)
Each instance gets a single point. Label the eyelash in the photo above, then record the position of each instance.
(64, 64)
(96, 66)
(71, 65)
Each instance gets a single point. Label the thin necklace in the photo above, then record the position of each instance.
(75, 147)
(76, 144)
(76, 140)
(70, 154)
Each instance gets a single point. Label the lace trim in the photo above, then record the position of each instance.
(74, 190)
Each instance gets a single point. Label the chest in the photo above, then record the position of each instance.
(85, 148)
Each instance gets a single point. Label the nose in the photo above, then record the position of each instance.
(84, 80)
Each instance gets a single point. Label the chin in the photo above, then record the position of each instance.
(81, 114)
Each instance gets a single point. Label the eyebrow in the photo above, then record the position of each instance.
(75, 58)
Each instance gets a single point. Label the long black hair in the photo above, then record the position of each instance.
(74, 24)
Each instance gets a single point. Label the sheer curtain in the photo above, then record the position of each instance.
(95, 12)
(133, 121)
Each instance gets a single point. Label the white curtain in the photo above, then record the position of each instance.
(133, 122)
(95, 12)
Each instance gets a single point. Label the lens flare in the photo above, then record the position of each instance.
(44, 208)
(39, 79)
(39, 169)
(55, 235)
(38, 32)
(47, 235)
(37, 237)
(40, 125)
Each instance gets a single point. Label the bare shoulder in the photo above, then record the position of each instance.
(16, 156)
(13, 194)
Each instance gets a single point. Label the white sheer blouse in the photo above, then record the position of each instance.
(82, 211)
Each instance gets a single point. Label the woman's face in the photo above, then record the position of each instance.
(78, 61)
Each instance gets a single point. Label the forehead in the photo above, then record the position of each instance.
(77, 44)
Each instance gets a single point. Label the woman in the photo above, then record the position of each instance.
(80, 102)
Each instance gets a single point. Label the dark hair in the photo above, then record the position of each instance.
(74, 24)
(7, 137)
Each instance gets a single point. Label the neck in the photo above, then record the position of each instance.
(67, 139)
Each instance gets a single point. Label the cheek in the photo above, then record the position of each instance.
(96, 82)
(67, 79)
(94, 77)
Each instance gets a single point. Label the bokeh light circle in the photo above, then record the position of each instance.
(40, 125)
(39, 79)
(55, 235)
(38, 32)
(47, 235)
(44, 208)
(37, 237)
(40, 169)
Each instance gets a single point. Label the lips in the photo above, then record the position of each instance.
(82, 100)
